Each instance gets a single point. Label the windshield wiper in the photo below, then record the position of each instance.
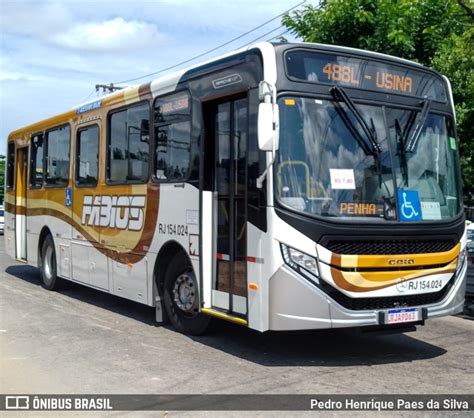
(371, 148)
(401, 150)
(413, 141)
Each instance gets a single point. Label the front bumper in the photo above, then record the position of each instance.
(470, 282)
(297, 304)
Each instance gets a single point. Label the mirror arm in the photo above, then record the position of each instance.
(269, 96)
(261, 177)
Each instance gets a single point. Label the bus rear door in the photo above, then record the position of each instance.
(20, 203)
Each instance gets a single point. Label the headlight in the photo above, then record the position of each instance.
(301, 262)
(461, 260)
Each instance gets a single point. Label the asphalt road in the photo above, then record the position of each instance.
(80, 340)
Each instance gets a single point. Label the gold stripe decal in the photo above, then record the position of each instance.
(367, 282)
(131, 95)
(130, 254)
(394, 261)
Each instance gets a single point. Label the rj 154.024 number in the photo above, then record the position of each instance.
(173, 229)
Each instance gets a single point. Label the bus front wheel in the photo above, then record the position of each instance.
(181, 297)
(48, 266)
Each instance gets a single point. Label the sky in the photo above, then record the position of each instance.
(53, 53)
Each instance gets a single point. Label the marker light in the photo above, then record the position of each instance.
(461, 260)
(301, 262)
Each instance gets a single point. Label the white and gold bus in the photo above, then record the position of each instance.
(281, 187)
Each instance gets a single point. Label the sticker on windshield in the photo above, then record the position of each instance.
(430, 211)
(409, 207)
(342, 179)
(452, 142)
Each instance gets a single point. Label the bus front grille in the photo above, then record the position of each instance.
(390, 247)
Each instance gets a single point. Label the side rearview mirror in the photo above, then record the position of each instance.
(267, 126)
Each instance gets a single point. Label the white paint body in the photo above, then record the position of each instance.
(283, 299)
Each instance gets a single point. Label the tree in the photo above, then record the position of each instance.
(455, 59)
(435, 33)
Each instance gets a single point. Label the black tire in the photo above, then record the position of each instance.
(48, 265)
(183, 312)
(469, 308)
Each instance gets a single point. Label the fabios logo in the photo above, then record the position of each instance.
(121, 212)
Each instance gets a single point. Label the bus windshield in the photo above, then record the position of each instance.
(326, 165)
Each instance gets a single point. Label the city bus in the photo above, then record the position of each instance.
(283, 186)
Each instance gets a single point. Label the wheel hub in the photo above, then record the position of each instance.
(48, 263)
(184, 293)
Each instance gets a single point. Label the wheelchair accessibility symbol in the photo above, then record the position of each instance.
(409, 205)
(68, 197)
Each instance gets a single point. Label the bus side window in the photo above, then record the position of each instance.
(57, 156)
(128, 148)
(173, 137)
(87, 160)
(36, 160)
(11, 165)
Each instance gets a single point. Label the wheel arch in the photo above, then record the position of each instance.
(169, 250)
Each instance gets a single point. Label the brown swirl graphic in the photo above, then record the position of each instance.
(133, 255)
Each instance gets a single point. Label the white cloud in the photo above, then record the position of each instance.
(18, 76)
(33, 18)
(53, 52)
(109, 35)
(57, 24)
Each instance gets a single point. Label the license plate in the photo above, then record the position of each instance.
(397, 316)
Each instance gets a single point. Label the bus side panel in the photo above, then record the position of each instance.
(34, 224)
(118, 262)
(178, 221)
(130, 280)
(89, 265)
(47, 209)
(9, 228)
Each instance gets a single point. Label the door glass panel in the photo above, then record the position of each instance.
(240, 224)
(223, 149)
(223, 253)
(222, 135)
(230, 183)
(240, 146)
(240, 250)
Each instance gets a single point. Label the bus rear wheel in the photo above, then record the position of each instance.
(181, 298)
(48, 267)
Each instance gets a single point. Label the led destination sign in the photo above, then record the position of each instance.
(174, 104)
(363, 73)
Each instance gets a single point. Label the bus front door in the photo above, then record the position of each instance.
(20, 203)
(226, 215)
